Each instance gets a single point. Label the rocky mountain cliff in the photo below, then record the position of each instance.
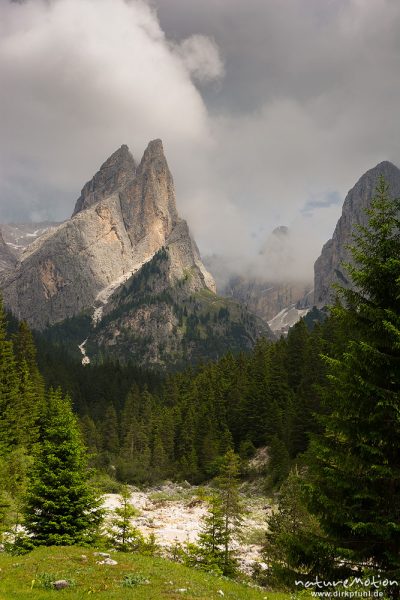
(328, 268)
(119, 223)
(7, 257)
(84, 272)
(166, 315)
(114, 174)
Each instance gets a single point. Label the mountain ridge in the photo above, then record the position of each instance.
(126, 214)
(115, 231)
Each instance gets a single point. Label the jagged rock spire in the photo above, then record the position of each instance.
(150, 197)
(123, 217)
(118, 170)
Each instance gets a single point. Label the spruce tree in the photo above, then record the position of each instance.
(60, 507)
(293, 548)
(123, 535)
(227, 484)
(355, 466)
(25, 354)
(110, 431)
(209, 552)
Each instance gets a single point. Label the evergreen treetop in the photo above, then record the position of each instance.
(355, 464)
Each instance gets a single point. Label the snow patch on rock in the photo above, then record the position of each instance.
(85, 359)
(286, 318)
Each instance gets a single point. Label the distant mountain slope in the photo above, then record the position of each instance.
(328, 268)
(266, 286)
(169, 317)
(20, 235)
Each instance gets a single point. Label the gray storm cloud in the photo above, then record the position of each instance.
(269, 111)
(79, 78)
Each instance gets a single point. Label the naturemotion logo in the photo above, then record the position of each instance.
(355, 587)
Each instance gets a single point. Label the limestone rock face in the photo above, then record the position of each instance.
(122, 218)
(328, 268)
(114, 174)
(150, 198)
(123, 277)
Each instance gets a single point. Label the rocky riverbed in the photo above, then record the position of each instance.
(173, 513)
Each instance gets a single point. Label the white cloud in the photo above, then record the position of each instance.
(201, 57)
(79, 78)
(306, 101)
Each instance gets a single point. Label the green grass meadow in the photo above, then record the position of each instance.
(135, 576)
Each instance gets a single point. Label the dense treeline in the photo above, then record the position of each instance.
(142, 429)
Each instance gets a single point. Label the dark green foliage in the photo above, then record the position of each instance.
(231, 508)
(315, 317)
(355, 464)
(294, 547)
(221, 525)
(21, 403)
(60, 507)
(209, 552)
(73, 330)
(279, 462)
(121, 533)
(142, 428)
(9, 390)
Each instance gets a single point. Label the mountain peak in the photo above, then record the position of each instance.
(150, 196)
(385, 165)
(328, 268)
(115, 173)
(154, 148)
(154, 159)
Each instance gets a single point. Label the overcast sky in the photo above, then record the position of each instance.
(269, 110)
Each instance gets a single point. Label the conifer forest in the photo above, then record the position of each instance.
(323, 401)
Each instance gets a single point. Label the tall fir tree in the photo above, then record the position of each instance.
(209, 551)
(294, 546)
(60, 508)
(355, 462)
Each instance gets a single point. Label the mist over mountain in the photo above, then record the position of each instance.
(276, 285)
(248, 100)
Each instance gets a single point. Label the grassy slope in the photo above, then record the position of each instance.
(105, 582)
